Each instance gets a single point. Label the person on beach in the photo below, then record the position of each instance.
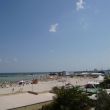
(13, 90)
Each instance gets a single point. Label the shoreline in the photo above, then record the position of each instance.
(47, 85)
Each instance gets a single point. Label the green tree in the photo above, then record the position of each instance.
(103, 101)
(69, 99)
(105, 83)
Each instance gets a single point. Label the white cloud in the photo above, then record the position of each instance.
(53, 28)
(80, 5)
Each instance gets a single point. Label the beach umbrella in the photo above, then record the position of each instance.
(101, 78)
(21, 82)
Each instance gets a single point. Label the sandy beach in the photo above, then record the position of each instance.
(8, 95)
(45, 86)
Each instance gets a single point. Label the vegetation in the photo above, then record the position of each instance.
(103, 101)
(106, 83)
(69, 98)
(73, 98)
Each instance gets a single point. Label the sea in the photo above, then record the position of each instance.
(14, 77)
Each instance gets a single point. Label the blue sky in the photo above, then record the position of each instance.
(54, 35)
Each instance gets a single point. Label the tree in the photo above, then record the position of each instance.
(103, 101)
(69, 99)
(106, 83)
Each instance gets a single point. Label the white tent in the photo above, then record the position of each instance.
(22, 81)
(100, 78)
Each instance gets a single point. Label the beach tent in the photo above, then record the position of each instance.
(21, 82)
(100, 78)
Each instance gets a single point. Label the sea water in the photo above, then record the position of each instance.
(14, 77)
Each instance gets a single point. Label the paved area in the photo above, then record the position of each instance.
(19, 100)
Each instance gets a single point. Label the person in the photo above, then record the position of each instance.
(12, 89)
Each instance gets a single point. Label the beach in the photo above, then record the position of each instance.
(34, 96)
(46, 86)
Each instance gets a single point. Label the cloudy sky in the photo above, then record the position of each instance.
(54, 35)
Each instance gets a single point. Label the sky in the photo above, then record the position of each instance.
(54, 35)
